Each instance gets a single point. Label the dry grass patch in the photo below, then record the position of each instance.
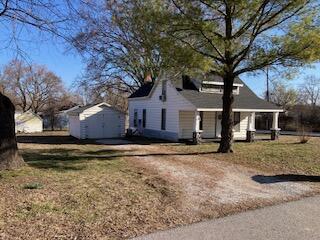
(82, 196)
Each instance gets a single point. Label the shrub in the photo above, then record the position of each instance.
(303, 134)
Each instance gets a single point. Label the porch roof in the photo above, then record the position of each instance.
(246, 99)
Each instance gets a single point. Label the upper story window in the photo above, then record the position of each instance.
(217, 87)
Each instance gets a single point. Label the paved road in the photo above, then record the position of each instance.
(294, 220)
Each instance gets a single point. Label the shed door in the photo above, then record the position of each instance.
(103, 126)
(94, 126)
(112, 126)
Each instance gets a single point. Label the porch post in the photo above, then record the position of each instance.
(275, 130)
(251, 130)
(196, 128)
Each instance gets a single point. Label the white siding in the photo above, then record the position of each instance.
(174, 103)
(114, 121)
(242, 134)
(180, 115)
(28, 123)
(186, 124)
(98, 122)
(208, 125)
(74, 126)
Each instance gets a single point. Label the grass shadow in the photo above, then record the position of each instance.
(262, 179)
(38, 139)
(62, 159)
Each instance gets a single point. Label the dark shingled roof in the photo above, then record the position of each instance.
(246, 99)
(143, 91)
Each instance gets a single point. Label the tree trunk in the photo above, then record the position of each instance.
(9, 156)
(227, 116)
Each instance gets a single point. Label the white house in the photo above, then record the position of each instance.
(28, 122)
(97, 121)
(179, 108)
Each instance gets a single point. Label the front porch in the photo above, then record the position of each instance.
(203, 125)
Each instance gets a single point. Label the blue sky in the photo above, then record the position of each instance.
(69, 65)
(66, 64)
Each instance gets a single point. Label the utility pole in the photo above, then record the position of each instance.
(268, 98)
(268, 91)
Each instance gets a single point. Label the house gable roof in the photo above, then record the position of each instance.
(246, 99)
(142, 91)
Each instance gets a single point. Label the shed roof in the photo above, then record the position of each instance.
(82, 109)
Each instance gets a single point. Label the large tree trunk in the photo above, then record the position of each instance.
(9, 156)
(227, 116)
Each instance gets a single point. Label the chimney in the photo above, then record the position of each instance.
(147, 78)
(186, 82)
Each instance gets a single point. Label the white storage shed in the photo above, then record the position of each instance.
(96, 121)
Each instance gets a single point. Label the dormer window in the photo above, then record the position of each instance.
(217, 87)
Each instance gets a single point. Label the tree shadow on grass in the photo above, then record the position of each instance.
(38, 139)
(262, 179)
(62, 159)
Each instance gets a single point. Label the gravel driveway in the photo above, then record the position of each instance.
(211, 188)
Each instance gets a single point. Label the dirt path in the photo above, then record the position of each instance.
(209, 186)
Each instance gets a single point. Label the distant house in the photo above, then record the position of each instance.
(60, 121)
(183, 108)
(96, 121)
(28, 122)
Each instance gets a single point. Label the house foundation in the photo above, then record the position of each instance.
(275, 133)
(196, 138)
(250, 136)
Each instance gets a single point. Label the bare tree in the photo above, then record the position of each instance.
(30, 86)
(14, 80)
(15, 17)
(309, 91)
(54, 104)
(283, 95)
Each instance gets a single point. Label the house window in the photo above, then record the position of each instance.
(201, 121)
(144, 118)
(217, 88)
(235, 90)
(135, 118)
(163, 119)
(236, 121)
(212, 88)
